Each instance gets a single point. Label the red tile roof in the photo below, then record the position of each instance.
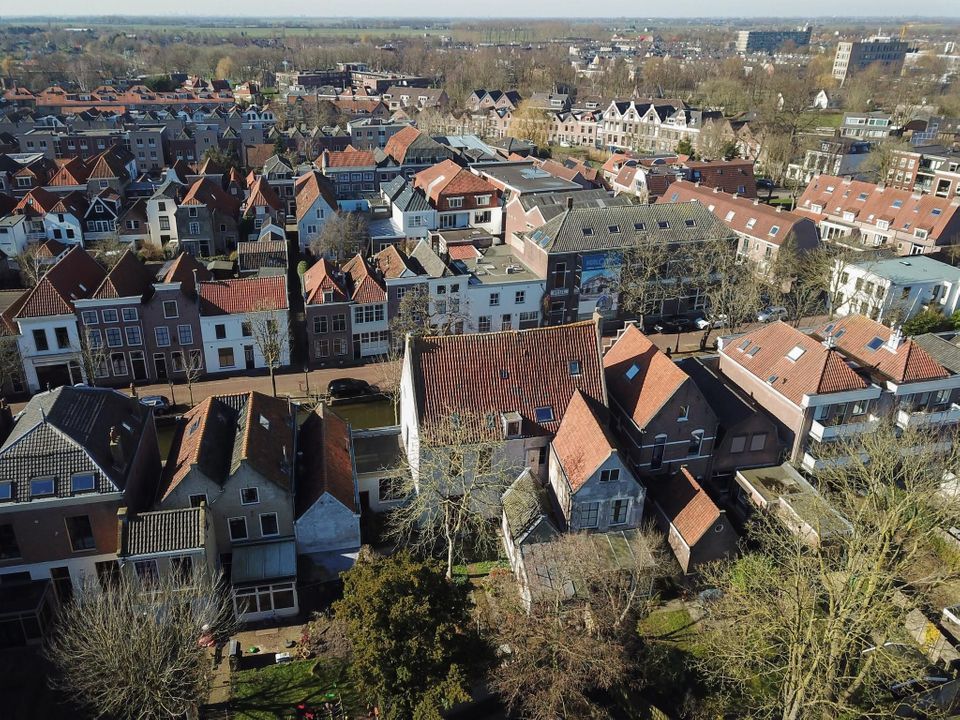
(72, 172)
(262, 195)
(205, 191)
(319, 279)
(641, 392)
(245, 295)
(818, 370)
(512, 371)
(328, 461)
(727, 175)
(463, 252)
(837, 196)
(367, 287)
(37, 202)
(391, 262)
(749, 217)
(907, 363)
(398, 143)
(75, 276)
(583, 442)
(350, 157)
(686, 505)
(311, 186)
(183, 270)
(447, 178)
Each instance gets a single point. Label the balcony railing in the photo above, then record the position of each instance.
(821, 432)
(925, 418)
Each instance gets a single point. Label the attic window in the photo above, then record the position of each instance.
(774, 230)
(744, 345)
(936, 212)
(897, 204)
(839, 334)
(614, 229)
(574, 366)
(587, 232)
(6, 491)
(264, 423)
(639, 226)
(664, 225)
(41, 486)
(876, 343)
(504, 373)
(730, 216)
(796, 353)
(83, 482)
(673, 198)
(754, 350)
(632, 372)
(772, 379)
(690, 223)
(751, 222)
(544, 414)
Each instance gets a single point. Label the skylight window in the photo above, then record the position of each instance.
(751, 222)
(574, 366)
(774, 230)
(862, 196)
(664, 224)
(690, 223)
(839, 334)
(639, 226)
(730, 216)
(772, 379)
(264, 423)
(754, 350)
(796, 353)
(898, 204)
(936, 212)
(614, 228)
(876, 343)
(83, 482)
(744, 345)
(673, 198)
(544, 414)
(587, 232)
(632, 372)
(41, 486)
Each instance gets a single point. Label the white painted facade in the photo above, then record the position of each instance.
(504, 305)
(312, 221)
(895, 290)
(234, 347)
(62, 346)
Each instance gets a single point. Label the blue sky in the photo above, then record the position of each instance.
(490, 8)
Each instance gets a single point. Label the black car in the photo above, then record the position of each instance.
(674, 324)
(342, 388)
(765, 183)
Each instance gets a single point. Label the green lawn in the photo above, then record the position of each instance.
(274, 691)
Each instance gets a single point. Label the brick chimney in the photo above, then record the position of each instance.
(123, 528)
(116, 450)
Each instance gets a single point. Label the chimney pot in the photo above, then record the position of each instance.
(570, 202)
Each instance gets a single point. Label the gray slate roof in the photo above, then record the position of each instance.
(66, 432)
(552, 204)
(164, 531)
(588, 229)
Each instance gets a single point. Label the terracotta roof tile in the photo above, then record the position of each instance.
(639, 377)
(311, 186)
(262, 195)
(205, 191)
(817, 369)
(320, 279)
(447, 178)
(183, 269)
(367, 288)
(351, 157)
(853, 336)
(75, 276)
(223, 297)
(583, 442)
(686, 505)
(512, 371)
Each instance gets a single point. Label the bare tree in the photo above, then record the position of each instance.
(94, 355)
(341, 237)
(193, 371)
(32, 264)
(11, 365)
(882, 159)
(528, 122)
(575, 638)
(453, 488)
(109, 250)
(798, 632)
(271, 334)
(143, 643)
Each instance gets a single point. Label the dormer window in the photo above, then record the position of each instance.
(83, 482)
(42, 487)
(6, 491)
(511, 425)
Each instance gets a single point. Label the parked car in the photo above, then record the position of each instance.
(343, 388)
(765, 183)
(675, 324)
(771, 314)
(159, 403)
(714, 321)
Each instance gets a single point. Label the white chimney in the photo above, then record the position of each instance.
(896, 340)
